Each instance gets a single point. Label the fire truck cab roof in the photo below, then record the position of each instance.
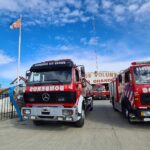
(48, 65)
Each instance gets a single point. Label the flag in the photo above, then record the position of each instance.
(16, 24)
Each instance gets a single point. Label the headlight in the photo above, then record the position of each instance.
(19, 97)
(27, 111)
(145, 113)
(67, 112)
(145, 90)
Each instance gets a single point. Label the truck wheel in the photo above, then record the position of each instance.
(114, 106)
(124, 111)
(91, 106)
(126, 114)
(37, 122)
(80, 123)
(129, 119)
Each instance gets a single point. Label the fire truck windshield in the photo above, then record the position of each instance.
(50, 77)
(142, 74)
(99, 88)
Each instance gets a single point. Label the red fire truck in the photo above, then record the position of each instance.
(56, 91)
(130, 92)
(99, 92)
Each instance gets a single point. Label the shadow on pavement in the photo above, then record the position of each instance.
(102, 116)
(103, 113)
(50, 126)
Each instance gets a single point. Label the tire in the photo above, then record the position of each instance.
(114, 105)
(91, 106)
(80, 123)
(126, 113)
(37, 122)
(129, 119)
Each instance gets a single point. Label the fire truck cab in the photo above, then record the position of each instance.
(56, 91)
(99, 92)
(130, 92)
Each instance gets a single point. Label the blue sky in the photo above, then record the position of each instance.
(117, 30)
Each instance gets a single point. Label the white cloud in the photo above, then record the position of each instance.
(83, 41)
(92, 6)
(144, 8)
(10, 5)
(133, 7)
(43, 12)
(66, 10)
(119, 9)
(105, 62)
(5, 59)
(106, 4)
(109, 61)
(94, 41)
(84, 18)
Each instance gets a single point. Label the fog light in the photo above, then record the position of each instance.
(67, 112)
(25, 117)
(142, 114)
(60, 118)
(68, 118)
(145, 113)
(33, 117)
(27, 111)
(136, 99)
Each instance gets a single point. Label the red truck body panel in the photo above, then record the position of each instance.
(129, 92)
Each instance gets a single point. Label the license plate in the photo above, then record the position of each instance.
(146, 119)
(148, 112)
(45, 113)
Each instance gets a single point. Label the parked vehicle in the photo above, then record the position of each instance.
(56, 91)
(99, 92)
(130, 92)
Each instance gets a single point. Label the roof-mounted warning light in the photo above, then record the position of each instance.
(140, 62)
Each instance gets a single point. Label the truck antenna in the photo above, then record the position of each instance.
(94, 32)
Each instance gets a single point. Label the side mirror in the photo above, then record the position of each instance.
(28, 73)
(84, 83)
(120, 78)
(82, 71)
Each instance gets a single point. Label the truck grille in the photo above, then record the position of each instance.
(145, 99)
(53, 97)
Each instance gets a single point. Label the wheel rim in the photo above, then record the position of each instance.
(83, 114)
(126, 112)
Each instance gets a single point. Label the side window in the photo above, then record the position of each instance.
(127, 77)
(120, 78)
(76, 75)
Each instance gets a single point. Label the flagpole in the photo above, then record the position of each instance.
(19, 48)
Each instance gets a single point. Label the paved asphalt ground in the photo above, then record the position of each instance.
(104, 130)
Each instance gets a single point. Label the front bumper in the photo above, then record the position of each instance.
(50, 114)
(99, 96)
(143, 114)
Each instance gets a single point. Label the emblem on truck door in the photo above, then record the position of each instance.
(45, 97)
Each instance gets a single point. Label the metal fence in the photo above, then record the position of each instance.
(7, 110)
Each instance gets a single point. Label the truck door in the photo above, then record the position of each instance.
(119, 87)
(77, 82)
(128, 85)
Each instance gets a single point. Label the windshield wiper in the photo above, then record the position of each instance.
(147, 81)
(32, 83)
(54, 80)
